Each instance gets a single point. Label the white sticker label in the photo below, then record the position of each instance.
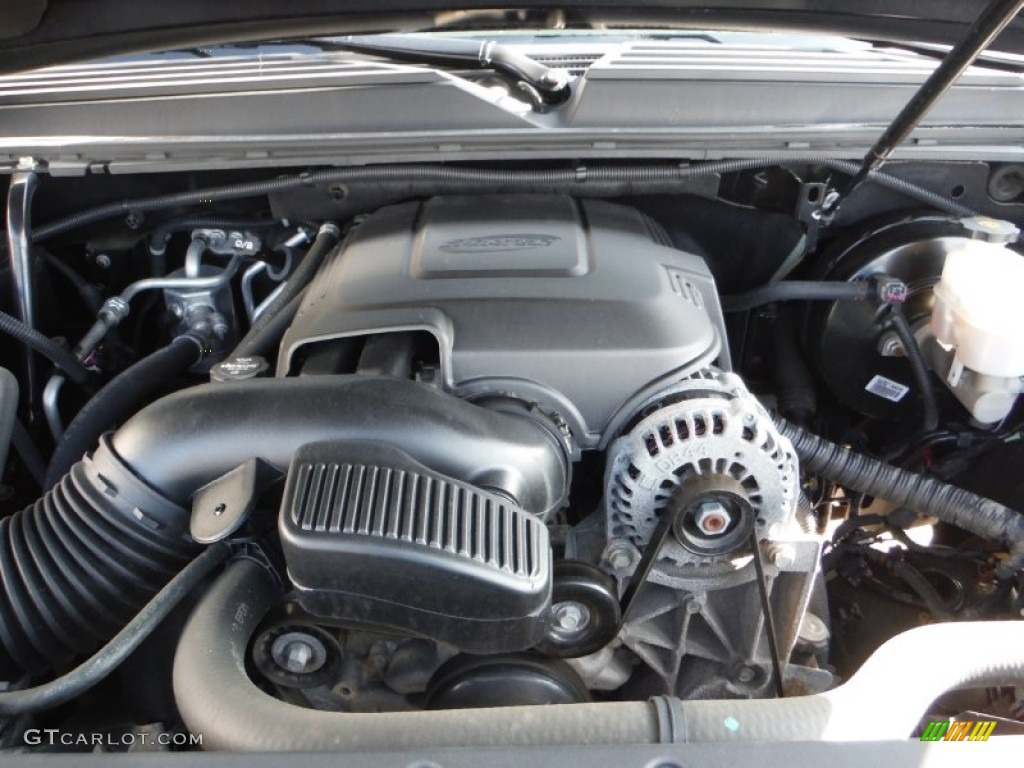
(887, 388)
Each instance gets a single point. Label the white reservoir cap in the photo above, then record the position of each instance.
(979, 308)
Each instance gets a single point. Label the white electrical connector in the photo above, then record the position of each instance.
(978, 320)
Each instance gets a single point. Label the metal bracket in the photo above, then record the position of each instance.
(19, 247)
(220, 508)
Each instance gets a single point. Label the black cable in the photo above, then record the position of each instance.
(90, 295)
(110, 656)
(27, 451)
(485, 178)
(262, 341)
(929, 401)
(799, 290)
(924, 495)
(45, 346)
(325, 240)
(117, 400)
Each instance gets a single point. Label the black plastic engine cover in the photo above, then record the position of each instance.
(372, 536)
(580, 306)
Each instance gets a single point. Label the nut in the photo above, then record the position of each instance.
(713, 519)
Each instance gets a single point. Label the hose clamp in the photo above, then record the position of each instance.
(671, 719)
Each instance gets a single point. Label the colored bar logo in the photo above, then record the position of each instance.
(959, 730)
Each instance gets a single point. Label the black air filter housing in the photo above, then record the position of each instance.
(370, 535)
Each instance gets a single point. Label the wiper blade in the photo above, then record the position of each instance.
(550, 85)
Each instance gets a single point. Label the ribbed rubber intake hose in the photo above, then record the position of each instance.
(80, 562)
(884, 700)
(77, 564)
(925, 495)
(563, 179)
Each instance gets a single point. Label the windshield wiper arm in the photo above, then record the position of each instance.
(550, 84)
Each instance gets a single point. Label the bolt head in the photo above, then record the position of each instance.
(570, 620)
(783, 556)
(621, 555)
(570, 615)
(746, 674)
(298, 653)
(713, 519)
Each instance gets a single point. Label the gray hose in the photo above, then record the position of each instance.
(108, 658)
(567, 178)
(8, 412)
(217, 699)
(924, 495)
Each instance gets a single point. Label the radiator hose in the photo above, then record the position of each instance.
(80, 562)
(217, 699)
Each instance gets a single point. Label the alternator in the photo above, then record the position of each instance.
(709, 445)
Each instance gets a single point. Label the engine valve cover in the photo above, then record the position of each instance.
(579, 306)
(372, 536)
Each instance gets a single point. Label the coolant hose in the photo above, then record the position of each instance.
(118, 400)
(924, 495)
(217, 699)
(80, 562)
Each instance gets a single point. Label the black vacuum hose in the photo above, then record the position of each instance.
(83, 677)
(79, 563)
(919, 368)
(326, 239)
(264, 341)
(45, 346)
(119, 399)
(798, 290)
(924, 495)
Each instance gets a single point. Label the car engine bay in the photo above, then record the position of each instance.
(377, 442)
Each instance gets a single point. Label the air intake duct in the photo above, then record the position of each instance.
(372, 535)
(78, 563)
